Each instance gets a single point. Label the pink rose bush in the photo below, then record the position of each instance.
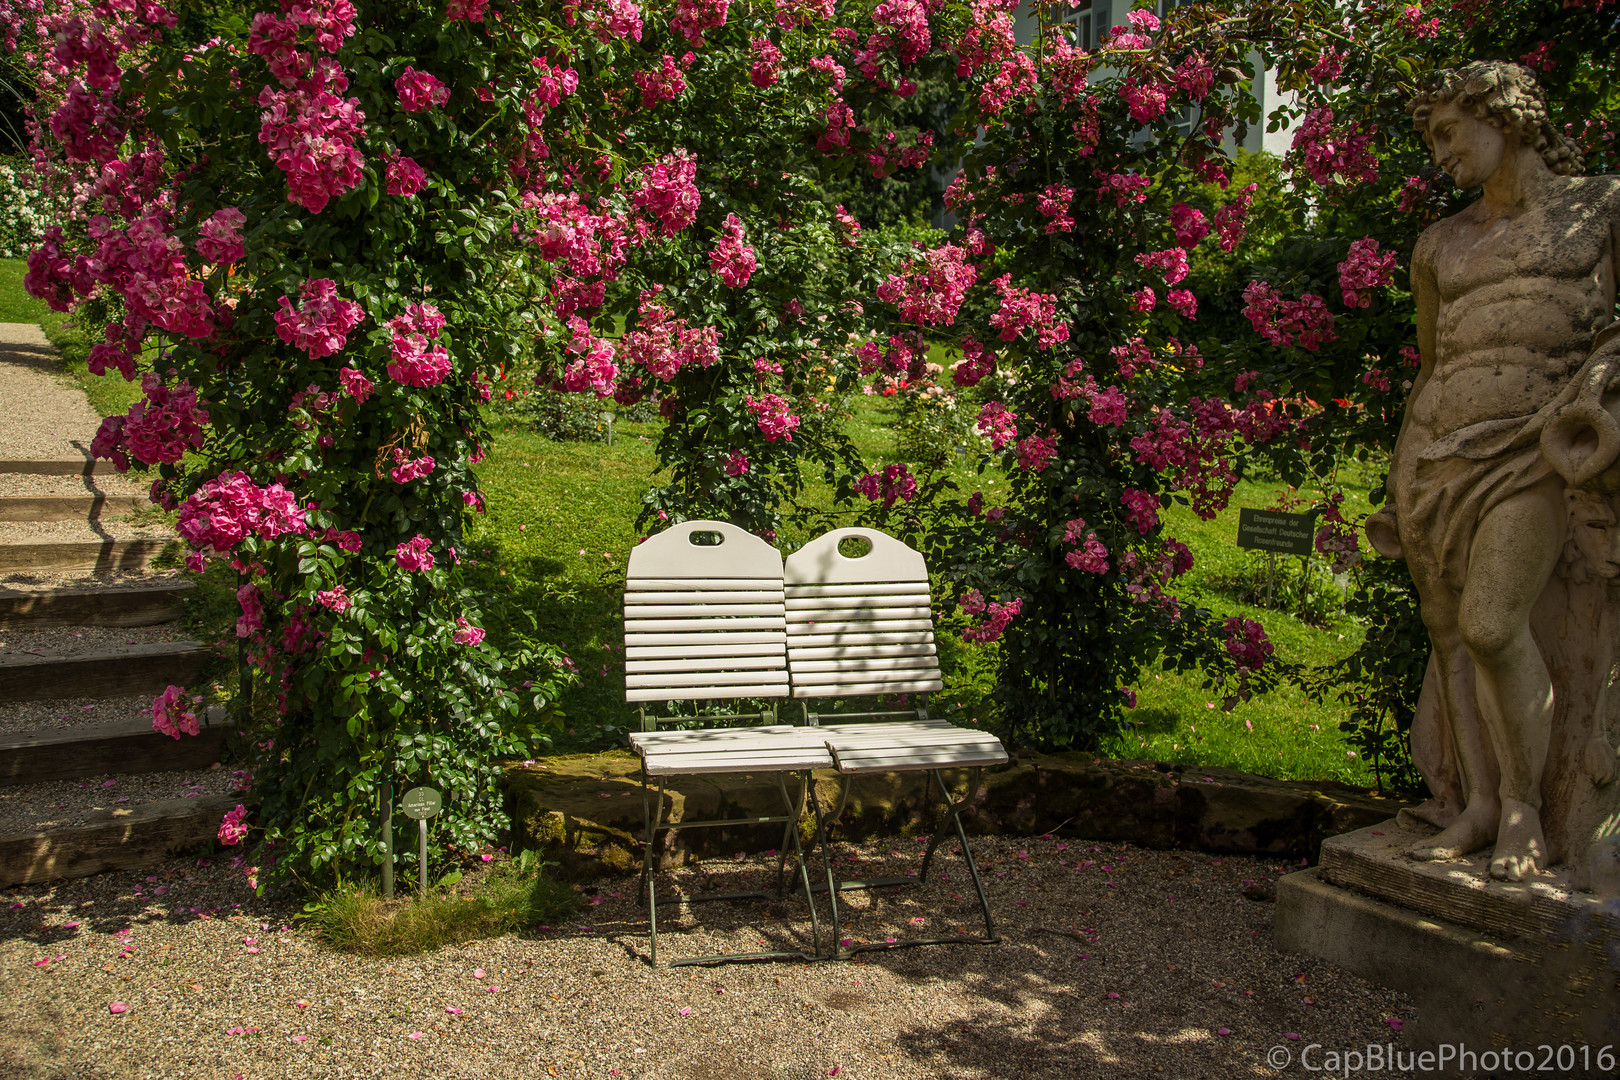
(419, 91)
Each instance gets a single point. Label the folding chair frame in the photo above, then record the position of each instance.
(953, 811)
(654, 822)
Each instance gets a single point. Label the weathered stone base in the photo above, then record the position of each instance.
(585, 812)
(1558, 984)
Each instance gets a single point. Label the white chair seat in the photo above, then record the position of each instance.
(910, 745)
(772, 748)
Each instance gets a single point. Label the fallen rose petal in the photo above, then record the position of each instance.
(416, 1035)
(1112, 996)
(1395, 1025)
(452, 1010)
(1291, 1036)
(478, 973)
(300, 1038)
(117, 1007)
(301, 1003)
(1223, 1031)
(686, 1010)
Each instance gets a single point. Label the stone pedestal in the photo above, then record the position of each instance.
(1489, 964)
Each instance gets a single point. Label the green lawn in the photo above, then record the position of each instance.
(561, 523)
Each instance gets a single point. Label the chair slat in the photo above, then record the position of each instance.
(698, 611)
(862, 627)
(705, 596)
(853, 689)
(874, 588)
(828, 640)
(919, 758)
(671, 679)
(858, 614)
(703, 663)
(792, 759)
(855, 651)
(698, 582)
(879, 675)
(857, 603)
(876, 663)
(718, 640)
(704, 693)
(668, 626)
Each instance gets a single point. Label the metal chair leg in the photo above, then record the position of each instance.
(967, 852)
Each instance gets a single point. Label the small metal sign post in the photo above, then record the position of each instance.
(421, 803)
(1273, 531)
(388, 840)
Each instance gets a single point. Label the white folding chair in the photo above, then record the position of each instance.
(704, 620)
(860, 625)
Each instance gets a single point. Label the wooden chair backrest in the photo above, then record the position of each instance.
(859, 625)
(704, 620)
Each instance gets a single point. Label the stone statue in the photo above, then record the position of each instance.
(1509, 437)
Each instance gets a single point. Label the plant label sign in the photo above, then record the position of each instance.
(1273, 530)
(421, 803)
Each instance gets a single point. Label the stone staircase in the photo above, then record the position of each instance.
(88, 636)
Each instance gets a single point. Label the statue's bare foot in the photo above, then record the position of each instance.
(1474, 828)
(1521, 848)
(1429, 812)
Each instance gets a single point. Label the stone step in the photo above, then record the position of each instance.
(125, 746)
(83, 556)
(132, 605)
(55, 467)
(69, 507)
(116, 839)
(130, 669)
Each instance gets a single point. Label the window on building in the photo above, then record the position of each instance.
(1090, 20)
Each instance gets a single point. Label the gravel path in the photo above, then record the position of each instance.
(54, 532)
(27, 808)
(1117, 962)
(58, 422)
(57, 714)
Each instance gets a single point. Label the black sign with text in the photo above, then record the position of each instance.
(1273, 530)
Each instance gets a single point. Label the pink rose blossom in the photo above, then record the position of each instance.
(419, 91)
(467, 634)
(171, 715)
(219, 238)
(773, 416)
(232, 830)
(404, 176)
(335, 598)
(355, 384)
(1362, 269)
(413, 554)
(894, 482)
(321, 325)
(732, 260)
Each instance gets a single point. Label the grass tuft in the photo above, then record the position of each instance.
(513, 897)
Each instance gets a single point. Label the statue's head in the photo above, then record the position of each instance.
(1480, 113)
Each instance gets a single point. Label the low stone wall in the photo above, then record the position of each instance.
(585, 812)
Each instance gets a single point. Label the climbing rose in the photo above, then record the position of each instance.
(1279, 321)
(1189, 224)
(736, 463)
(251, 622)
(1141, 509)
(732, 260)
(930, 290)
(413, 361)
(405, 176)
(996, 423)
(231, 829)
(335, 598)
(355, 384)
(668, 191)
(467, 634)
(311, 134)
(320, 327)
(997, 616)
(225, 510)
(219, 239)
(408, 470)
(1246, 643)
(768, 67)
(1364, 268)
(894, 482)
(1035, 452)
(413, 554)
(170, 715)
(772, 415)
(418, 91)
(665, 84)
